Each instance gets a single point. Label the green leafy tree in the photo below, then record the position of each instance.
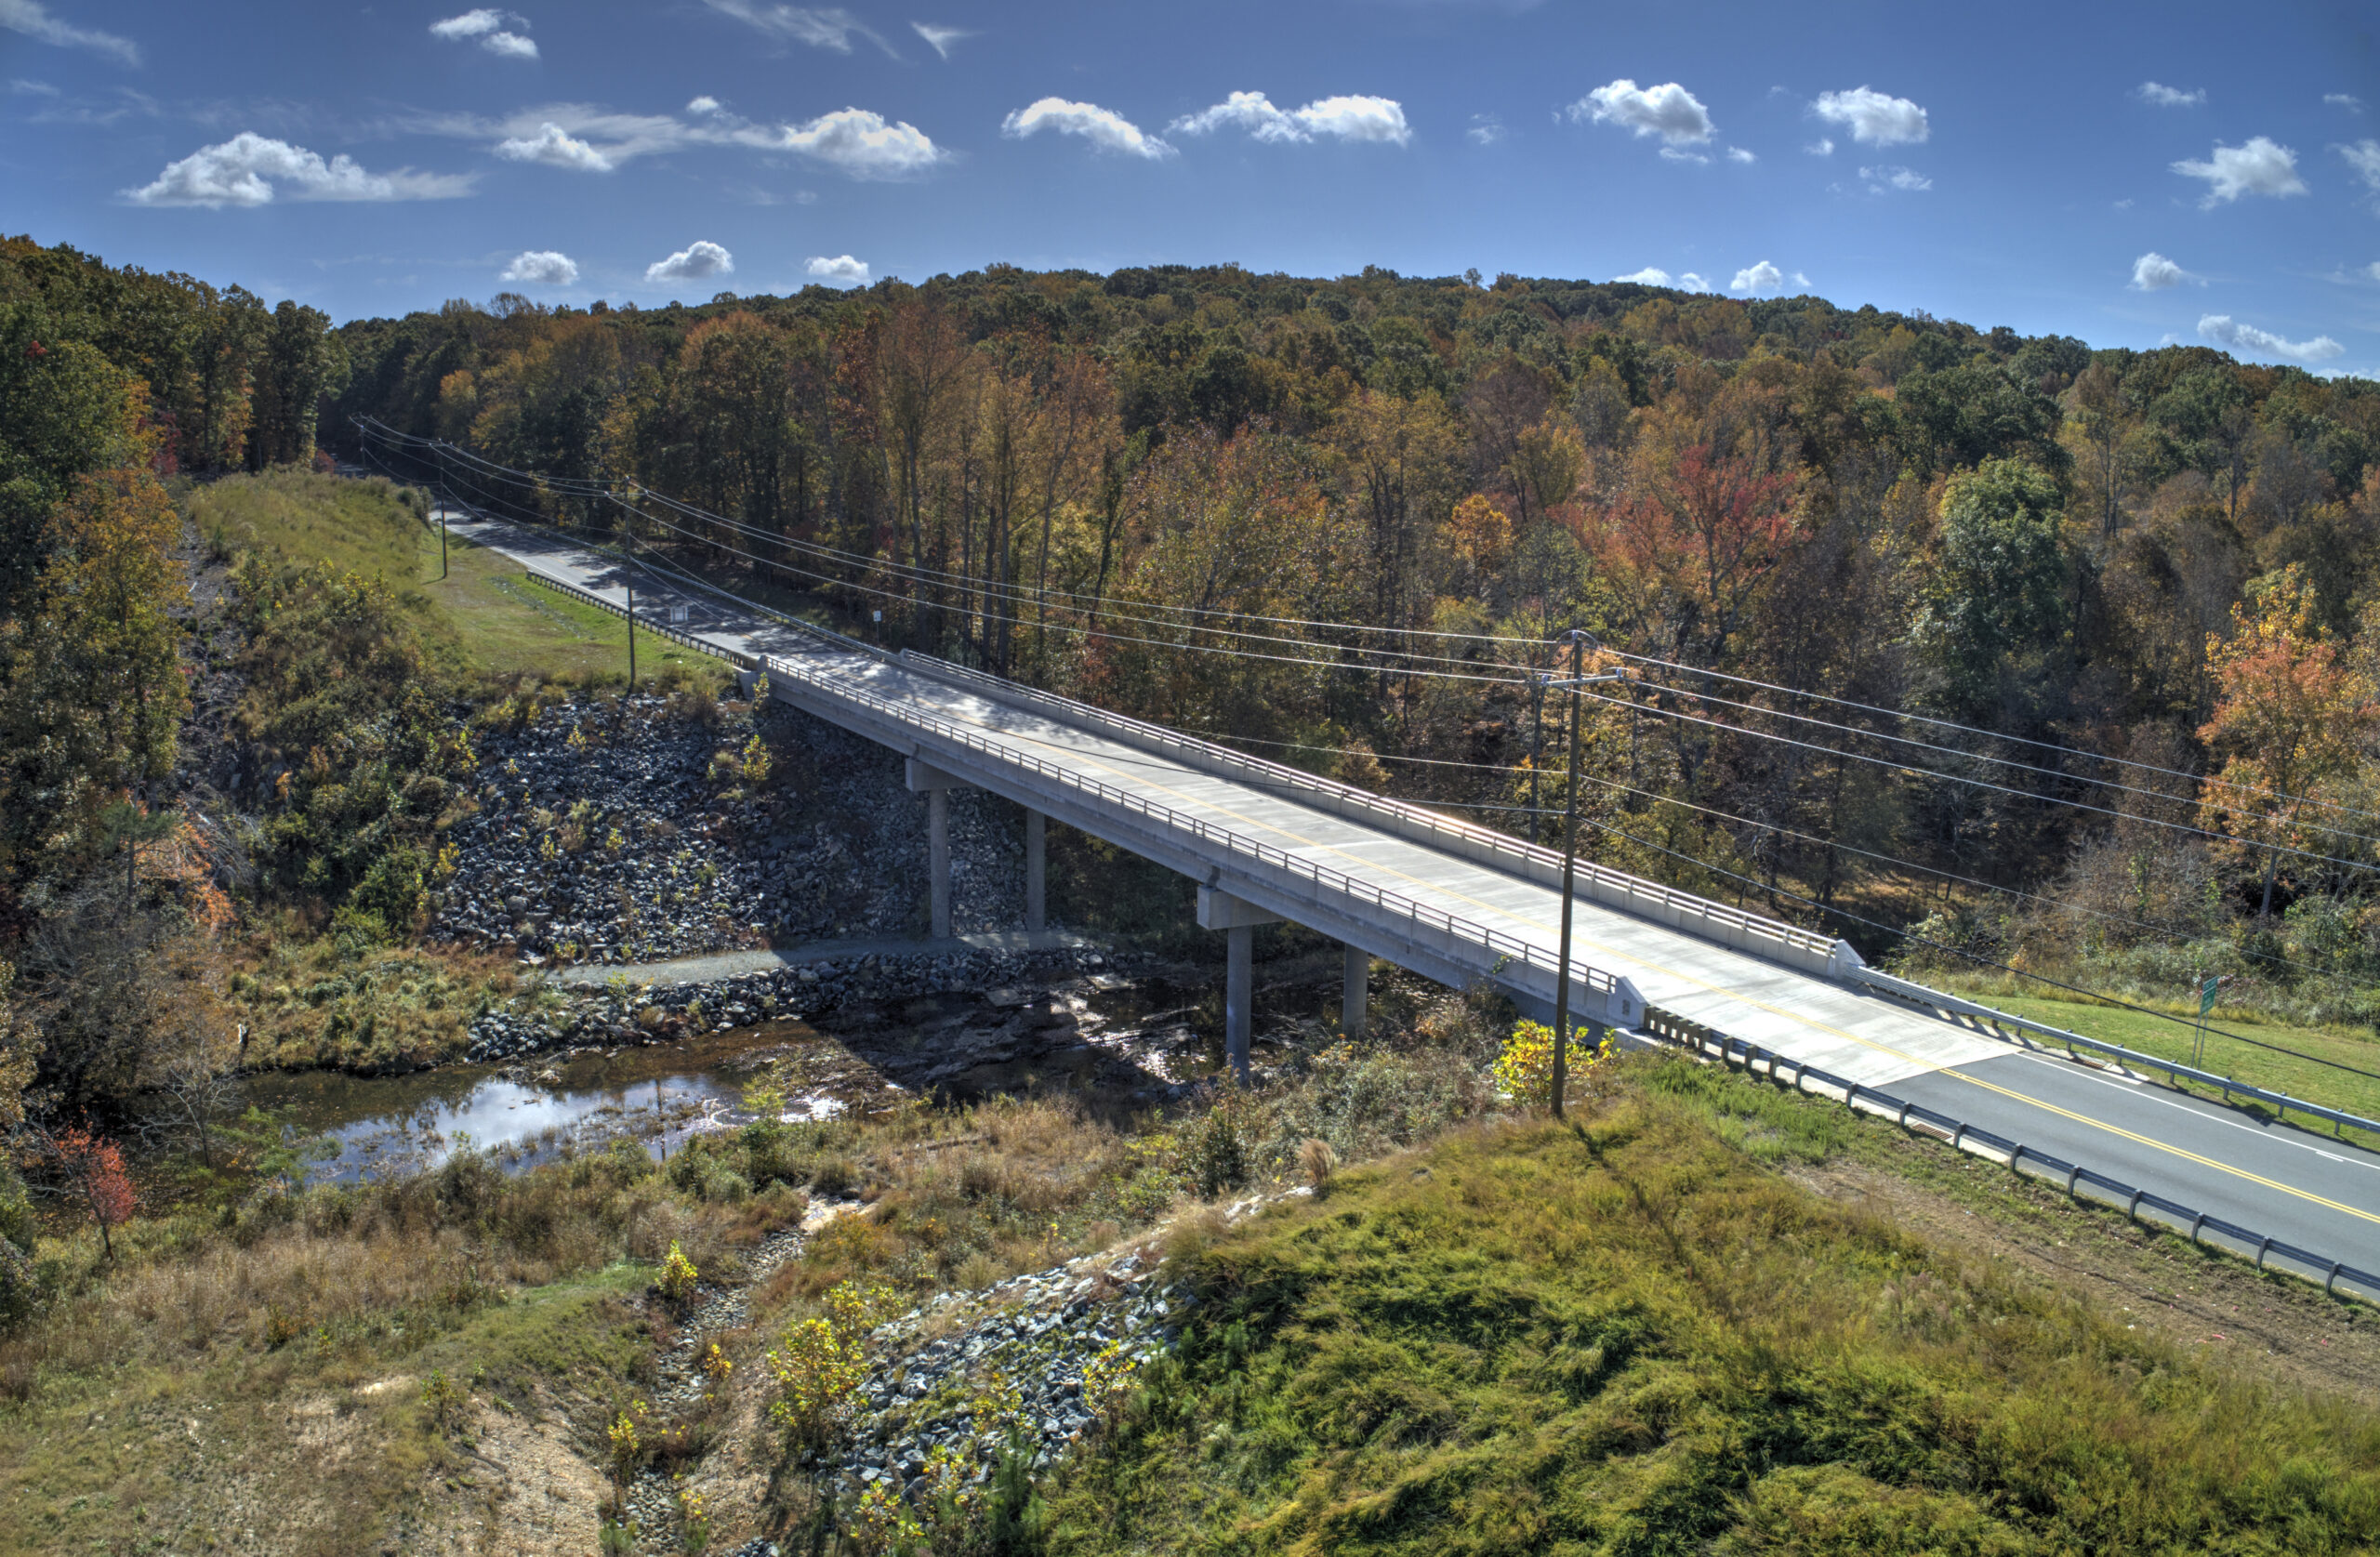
(1999, 603)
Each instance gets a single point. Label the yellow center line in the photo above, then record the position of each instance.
(1076, 754)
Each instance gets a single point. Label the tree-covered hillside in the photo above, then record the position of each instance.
(2046, 545)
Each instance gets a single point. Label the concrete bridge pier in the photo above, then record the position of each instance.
(1355, 991)
(936, 785)
(1035, 871)
(1237, 919)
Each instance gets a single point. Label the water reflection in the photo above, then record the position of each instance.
(537, 1111)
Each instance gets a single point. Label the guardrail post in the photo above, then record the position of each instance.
(2070, 1178)
(1958, 1138)
(2132, 1207)
(1035, 871)
(2262, 1250)
(2016, 1157)
(2197, 1222)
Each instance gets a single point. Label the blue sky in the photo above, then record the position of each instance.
(2006, 164)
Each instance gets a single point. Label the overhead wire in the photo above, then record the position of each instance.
(1913, 769)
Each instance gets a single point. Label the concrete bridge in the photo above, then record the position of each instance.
(1462, 905)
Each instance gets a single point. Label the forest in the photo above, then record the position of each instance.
(1976, 649)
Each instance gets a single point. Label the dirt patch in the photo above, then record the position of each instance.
(2268, 1326)
(526, 1491)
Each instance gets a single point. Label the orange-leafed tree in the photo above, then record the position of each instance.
(91, 1170)
(2291, 717)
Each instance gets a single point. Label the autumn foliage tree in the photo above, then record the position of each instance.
(2292, 717)
(89, 1170)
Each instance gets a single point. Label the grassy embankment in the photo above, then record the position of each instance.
(1624, 1336)
(483, 617)
(1635, 1336)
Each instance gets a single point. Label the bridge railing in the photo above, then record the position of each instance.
(1709, 1043)
(1756, 933)
(587, 597)
(1502, 945)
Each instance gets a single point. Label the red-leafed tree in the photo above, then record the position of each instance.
(90, 1168)
(1694, 542)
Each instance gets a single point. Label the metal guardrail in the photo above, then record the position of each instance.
(2175, 1072)
(1502, 944)
(1702, 1040)
(737, 657)
(1639, 891)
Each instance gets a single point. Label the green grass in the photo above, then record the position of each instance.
(481, 617)
(2169, 1040)
(1630, 1337)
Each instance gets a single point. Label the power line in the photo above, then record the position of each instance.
(1911, 769)
(1535, 643)
(1980, 783)
(1972, 756)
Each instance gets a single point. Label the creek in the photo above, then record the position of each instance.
(536, 1110)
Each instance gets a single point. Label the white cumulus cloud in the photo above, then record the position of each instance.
(1651, 275)
(541, 268)
(2262, 167)
(2160, 96)
(35, 22)
(492, 28)
(1688, 282)
(251, 169)
(1349, 118)
(1102, 127)
(2347, 101)
(1905, 180)
(2153, 272)
(827, 26)
(695, 261)
(1485, 129)
(862, 144)
(939, 39)
(1821, 147)
(839, 271)
(1667, 111)
(2364, 157)
(2249, 340)
(556, 147)
(1737, 154)
(705, 104)
(1763, 277)
(1872, 117)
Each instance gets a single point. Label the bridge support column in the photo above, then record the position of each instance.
(1037, 828)
(1356, 991)
(1237, 919)
(937, 787)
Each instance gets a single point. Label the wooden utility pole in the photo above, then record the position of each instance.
(1578, 639)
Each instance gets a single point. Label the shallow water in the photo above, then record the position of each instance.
(384, 1125)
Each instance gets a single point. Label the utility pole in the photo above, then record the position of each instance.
(441, 537)
(1578, 639)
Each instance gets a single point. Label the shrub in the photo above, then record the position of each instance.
(679, 1277)
(819, 1366)
(1525, 1069)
